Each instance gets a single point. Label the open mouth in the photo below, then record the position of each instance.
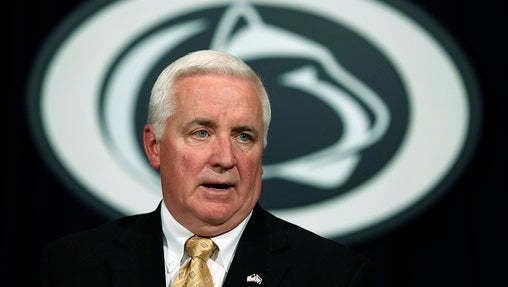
(217, 186)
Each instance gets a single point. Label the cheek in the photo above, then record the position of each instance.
(176, 162)
(180, 171)
(252, 168)
(189, 164)
(191, 160)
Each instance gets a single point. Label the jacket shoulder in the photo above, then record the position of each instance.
(134, 225)
(310, 253)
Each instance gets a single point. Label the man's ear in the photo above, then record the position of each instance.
(151, 145)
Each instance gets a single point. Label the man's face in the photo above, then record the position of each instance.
(210, 157)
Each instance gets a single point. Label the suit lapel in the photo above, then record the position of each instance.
(139, 258)
(259, 255)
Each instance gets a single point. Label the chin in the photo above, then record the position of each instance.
(216, 213)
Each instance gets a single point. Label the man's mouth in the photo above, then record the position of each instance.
(218, 186)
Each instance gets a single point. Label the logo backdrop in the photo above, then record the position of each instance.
(375, 110)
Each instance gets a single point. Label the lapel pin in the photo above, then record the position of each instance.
(254, 278)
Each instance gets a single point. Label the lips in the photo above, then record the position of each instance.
(218, 183)
(218, 186)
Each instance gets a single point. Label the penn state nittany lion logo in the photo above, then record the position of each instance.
(372, 114)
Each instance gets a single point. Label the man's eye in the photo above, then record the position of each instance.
(243, 137)
(201, 134)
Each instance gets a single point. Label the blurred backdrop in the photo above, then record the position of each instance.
(454, 233)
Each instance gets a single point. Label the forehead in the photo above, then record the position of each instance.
(215, 87)
(217, 93)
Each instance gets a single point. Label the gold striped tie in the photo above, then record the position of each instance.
(195, 273)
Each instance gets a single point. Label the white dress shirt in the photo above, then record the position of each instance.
(175, 236)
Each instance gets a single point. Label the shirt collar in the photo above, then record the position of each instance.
(176, 234)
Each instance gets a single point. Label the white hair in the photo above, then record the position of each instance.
(162, 105)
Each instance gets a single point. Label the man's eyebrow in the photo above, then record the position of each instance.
(246, 128)
(200, 122)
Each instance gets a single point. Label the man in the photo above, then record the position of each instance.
(207, 129)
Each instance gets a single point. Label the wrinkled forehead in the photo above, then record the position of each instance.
(204, 91)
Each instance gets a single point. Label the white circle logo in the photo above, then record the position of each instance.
(376, 111)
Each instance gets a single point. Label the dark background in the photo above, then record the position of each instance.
(462, 240)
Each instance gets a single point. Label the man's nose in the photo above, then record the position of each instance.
(223, 157)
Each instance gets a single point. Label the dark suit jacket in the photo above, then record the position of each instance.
(128, 252)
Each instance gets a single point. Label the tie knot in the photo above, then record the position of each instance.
(200, 247)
